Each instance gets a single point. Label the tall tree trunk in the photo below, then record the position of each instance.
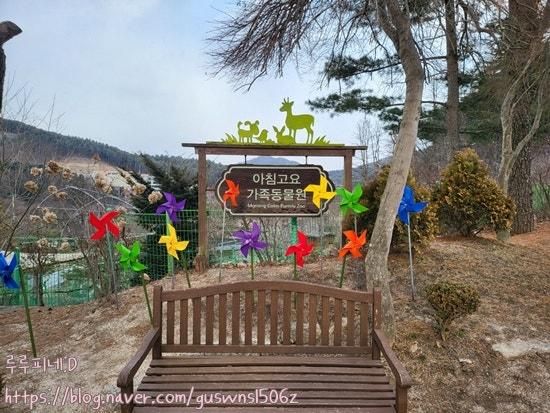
(523, 31)
(452, 137)
(520, 190)
(397, 26)
(7, 31)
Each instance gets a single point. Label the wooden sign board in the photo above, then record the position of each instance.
(274, 190)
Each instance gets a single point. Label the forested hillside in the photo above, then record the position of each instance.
(36, 145)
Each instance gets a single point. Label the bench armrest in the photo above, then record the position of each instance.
(402, 377)
(126, 376)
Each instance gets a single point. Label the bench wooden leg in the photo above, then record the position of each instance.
(401, 399)
(126, 393)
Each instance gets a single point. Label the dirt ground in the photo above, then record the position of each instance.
(463, 374)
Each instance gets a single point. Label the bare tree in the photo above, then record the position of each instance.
(265, 34)
(369, 134)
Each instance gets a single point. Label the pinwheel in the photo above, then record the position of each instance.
(250, 241)
(171, 207)
(353, 247)
(6, 272)
(300, 250)
(104, 225)
(320, 191)
(406, 207)
(350, 202)
(172, 243)
(129, 257)
(129, 261)
(232, 192)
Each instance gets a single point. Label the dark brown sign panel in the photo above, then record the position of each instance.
(273, 190)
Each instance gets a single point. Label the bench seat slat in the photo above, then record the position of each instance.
(373, 371)
(176, 377)
(311, 403)
(156, 409)
(294, 386)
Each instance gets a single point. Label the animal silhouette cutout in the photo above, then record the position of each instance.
(295, 122)
(284, 139)
(262, 138)
(246, 135)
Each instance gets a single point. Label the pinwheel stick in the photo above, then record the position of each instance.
(252, 263)
(112, 265)
(186, 269)
(144, 283)
(170, 260)
(221, 246)
(413, 289)
(25, 301)
(342, 272)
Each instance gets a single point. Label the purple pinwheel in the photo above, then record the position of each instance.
(6, 271)
(249, 239)
(250, 242)
(407, 205)
(171, 207)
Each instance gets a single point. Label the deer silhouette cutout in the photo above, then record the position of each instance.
(295, 122)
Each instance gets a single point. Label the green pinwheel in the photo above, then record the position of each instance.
(350, 200)
(129, 257)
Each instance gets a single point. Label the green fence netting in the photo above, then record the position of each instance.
(63, 271)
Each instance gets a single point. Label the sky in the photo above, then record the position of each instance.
(135, 74)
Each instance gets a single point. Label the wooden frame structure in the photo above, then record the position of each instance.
(322, 343)
(205, 149)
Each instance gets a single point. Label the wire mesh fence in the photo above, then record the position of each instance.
(65, 271)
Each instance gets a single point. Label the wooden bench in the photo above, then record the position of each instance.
(321, 343)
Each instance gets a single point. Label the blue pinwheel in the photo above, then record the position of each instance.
(249, 242)
(171, 206)
(408, 206)
(6, 272)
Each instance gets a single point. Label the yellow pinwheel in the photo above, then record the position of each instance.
(320, 191)
(172, 243)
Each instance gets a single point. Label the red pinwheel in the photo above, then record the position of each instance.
(301, 249)
(104, 224)
(231, 193)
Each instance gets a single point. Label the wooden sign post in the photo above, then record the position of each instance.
(204, 149)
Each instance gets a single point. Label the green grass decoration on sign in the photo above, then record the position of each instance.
(249, 132)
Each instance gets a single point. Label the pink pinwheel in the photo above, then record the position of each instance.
(250, 242)
(171, 207)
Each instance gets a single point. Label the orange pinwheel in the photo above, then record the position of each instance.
(354, 244)
(231, 193)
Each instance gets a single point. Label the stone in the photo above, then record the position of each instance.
(517, 348)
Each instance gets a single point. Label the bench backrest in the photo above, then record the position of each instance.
(266, 317)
